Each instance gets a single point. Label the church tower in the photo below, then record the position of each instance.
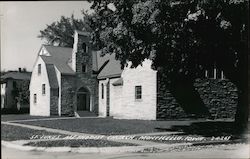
(86, 81)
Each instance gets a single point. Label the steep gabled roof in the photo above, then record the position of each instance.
(59, 57)
(112, 66)
(106, 65)
(52, 76)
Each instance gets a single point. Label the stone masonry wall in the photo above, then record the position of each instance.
(53, 102)
(86, 79)
(219, 96)
(167, 106)
(89, 82)
(67, 95)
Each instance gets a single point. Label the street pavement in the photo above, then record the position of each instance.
(234, 151)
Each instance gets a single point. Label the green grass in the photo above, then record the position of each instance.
(77, 143)
(12, 133)
(11, 117)
(107, 126)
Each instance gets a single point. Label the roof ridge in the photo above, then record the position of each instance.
(57, 46)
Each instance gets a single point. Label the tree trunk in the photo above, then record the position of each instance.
(242, 113)
(241, 117)
(239, 76)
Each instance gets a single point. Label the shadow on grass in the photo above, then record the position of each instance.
(209, 129)
(14, 111)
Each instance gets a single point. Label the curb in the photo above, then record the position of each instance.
(218, 142)
(120, 149)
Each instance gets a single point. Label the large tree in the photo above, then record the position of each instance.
(61, 32)
(181, 37)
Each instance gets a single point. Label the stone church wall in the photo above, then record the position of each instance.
(219, 96)
(67, 95)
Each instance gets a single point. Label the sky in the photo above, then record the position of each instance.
(20, 25)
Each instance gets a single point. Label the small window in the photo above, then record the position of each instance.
(84, 68)
(102, 91)
(39, 69)
(43, 89)
(138, 92)
(84, 47)
(35, 99)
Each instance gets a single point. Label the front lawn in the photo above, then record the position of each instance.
(12, 133)
(106, 126)
(12, 117)
(77, 143)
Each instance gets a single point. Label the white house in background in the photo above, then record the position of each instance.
(10, 82)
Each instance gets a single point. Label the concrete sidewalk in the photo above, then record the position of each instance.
(120, 149)
(105, 137)
(143, 145)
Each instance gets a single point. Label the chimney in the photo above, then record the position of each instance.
(19, 69)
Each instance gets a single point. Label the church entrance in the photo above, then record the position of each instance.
(83, 100)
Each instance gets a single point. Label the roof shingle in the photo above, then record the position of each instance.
(52, 76)
(107, 65)
(59, 57)
(111, 69)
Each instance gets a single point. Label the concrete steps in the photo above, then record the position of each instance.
(85, 114)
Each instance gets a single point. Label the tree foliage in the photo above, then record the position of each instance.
(183, 38)
(61, 32)
(21, 92)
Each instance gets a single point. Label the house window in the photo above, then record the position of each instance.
(35, 98)
(43, 89)
(84, 47)
(102, 91)
(84, 68)
(138, 92)
(39, 69)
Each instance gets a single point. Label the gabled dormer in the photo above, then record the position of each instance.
(43, 51)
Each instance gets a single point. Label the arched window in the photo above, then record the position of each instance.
(84, 47)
